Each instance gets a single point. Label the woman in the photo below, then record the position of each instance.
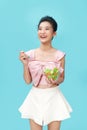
(44, 67)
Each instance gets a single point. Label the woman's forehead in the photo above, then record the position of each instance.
(45, 24)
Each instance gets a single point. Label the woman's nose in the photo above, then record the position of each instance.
(43, 31)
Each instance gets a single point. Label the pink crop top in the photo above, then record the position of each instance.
(37, 67)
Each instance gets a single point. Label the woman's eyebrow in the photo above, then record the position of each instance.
(45, 27)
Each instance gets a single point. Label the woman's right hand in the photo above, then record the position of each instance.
(23, 57)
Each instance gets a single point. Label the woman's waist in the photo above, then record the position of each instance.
(46, 86)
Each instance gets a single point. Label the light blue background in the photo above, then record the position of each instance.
(18, 31)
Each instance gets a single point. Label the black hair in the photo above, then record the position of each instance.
(50, 20)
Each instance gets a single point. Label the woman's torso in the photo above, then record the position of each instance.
(38, 62)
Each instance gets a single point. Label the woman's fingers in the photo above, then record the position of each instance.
(23, 57)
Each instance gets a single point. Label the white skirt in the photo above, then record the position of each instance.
(45, 105)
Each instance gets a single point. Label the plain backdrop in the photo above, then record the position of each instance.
(18, 31)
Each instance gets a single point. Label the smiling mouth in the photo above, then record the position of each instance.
(43, 37)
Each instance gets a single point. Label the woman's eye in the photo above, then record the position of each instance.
(39, 28)
(47, 28)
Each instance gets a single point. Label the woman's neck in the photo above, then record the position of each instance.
(46, 47)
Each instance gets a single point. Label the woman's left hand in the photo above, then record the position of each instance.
(53, 82)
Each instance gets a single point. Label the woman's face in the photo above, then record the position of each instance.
(45, 32)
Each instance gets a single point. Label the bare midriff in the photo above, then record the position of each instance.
(45, 86)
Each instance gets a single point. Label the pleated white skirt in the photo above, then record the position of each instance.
(45, 106)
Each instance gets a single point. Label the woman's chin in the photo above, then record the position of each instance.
(44, 41)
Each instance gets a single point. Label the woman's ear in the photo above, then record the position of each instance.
(54, 34)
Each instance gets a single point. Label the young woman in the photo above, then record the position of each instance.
(44, 67)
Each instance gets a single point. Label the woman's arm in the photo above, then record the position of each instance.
(61, 77)
(24, 59)
(27, 75)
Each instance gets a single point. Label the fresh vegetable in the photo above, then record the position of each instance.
(52, 73)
